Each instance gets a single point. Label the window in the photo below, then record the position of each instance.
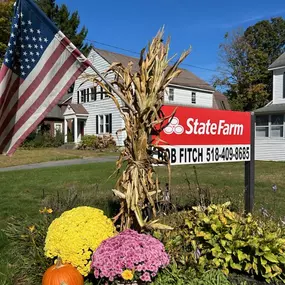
(102, 93)
(262, 127)
(223, 106)
(57, 128)
(276, 126)
(93, 94)
(83, 96)
(104, 124)
(171, 94)
(193, 98)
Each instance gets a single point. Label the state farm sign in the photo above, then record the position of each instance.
(196, 135)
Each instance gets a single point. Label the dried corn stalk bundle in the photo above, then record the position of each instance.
(143, 91)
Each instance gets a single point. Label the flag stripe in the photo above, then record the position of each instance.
(16, 142)
(4, 72)
(39, 66)
(30, 103)
(11, 88)
(14, 126)
(6, 80)
(43, 67)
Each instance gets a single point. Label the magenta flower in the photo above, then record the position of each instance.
(143, 254)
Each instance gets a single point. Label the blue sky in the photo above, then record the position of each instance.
(199, 24)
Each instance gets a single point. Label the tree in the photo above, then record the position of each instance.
(245, 57)
(67, 22)
(6, 12)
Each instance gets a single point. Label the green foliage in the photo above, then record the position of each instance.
(188, 276)
(6, 11)
(245, 57)
(67, 22)
(88, 141)
(97, 142)
(26, 240)
(217, 238)
(39, 140)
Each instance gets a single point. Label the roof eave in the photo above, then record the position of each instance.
(210, 90)
(274, 68)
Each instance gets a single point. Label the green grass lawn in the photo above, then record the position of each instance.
(36, 155)
(22, 192)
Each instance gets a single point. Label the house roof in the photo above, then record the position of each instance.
(78, 109)
(220, 101)
(55, 113)
(269, 109)
(65, 98)
(279, 62)
(186, 77)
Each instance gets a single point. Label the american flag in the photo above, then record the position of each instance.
(39, 66)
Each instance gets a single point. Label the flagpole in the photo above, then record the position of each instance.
(119, 94)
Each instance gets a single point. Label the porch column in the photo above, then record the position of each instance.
(65, 130)
(75, 130)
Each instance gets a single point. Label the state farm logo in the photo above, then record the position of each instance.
(174, 127)
(196, 127)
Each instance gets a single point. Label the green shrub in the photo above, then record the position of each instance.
(39, 140)
(97, 142)
(188, 276)
(215, 237)
(88, 142)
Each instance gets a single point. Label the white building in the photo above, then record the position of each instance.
(270, 143)
(92, 112)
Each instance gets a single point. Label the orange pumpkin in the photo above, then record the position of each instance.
(62, 274)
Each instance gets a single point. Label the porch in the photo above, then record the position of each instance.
(75, 117)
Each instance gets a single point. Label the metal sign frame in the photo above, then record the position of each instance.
(249, 171)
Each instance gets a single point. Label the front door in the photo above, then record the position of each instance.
(81, 127)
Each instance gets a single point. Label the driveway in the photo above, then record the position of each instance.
(60, 163)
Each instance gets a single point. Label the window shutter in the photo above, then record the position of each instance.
(78, 97)
(88, 89)
(97, 124)
(284, 85)
(95, 92)
(110, 122)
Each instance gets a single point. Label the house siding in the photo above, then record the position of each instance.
(278, 88)
(183, 96)
(270, 149)
(273, 149)
(99, 107)
(104, 107)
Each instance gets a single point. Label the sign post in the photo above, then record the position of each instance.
(249, 172)
(199, 136)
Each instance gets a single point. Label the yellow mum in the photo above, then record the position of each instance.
(127, 274)
(76, 234)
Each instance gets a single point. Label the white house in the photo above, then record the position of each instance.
(92, 112)
(269, 129)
